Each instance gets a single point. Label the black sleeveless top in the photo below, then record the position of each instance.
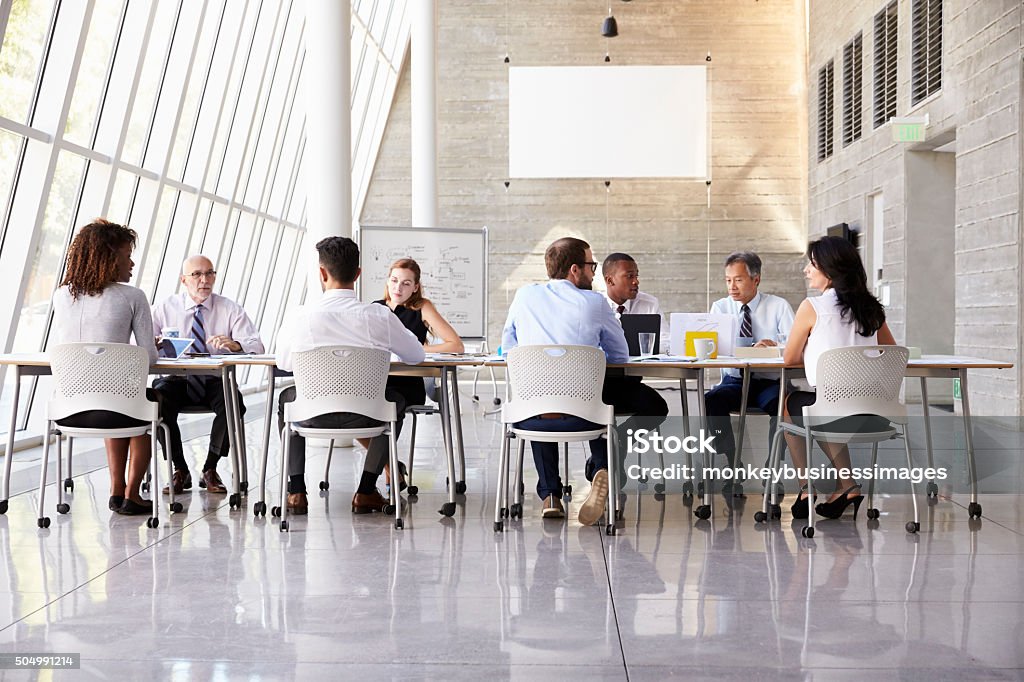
(410, 387)
(412, 319)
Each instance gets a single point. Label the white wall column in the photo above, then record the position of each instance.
(328, 96)
(424, 114)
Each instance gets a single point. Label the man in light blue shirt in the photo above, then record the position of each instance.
(762, 320)
(566, 311)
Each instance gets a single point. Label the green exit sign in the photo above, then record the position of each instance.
(909, 129)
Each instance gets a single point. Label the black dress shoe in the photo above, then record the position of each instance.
(115, 502)
(132, 508)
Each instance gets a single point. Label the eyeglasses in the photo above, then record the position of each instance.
(199, 274)
(592, 264)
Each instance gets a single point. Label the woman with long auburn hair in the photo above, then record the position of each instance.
(403, 294)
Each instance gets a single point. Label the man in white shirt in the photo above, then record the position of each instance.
(217, 325)
(566, 310)
(622, 283)
(341, 319)
(762, 320)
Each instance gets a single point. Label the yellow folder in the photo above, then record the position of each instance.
(693, 336)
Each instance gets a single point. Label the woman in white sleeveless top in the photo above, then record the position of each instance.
(846, 314)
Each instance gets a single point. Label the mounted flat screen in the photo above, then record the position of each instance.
(607, 122)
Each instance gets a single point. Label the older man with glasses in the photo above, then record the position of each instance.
(217, 325)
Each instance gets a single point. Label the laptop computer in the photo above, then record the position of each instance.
(634, 325)
(174, 348)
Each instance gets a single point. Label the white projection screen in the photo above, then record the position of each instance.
(607, 122)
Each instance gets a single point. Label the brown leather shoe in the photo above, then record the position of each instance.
(368, 503)
(298, 504)
(212, 482)
(181, 481)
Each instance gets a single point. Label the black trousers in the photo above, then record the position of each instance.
(726, 397)
(174, 396)
(376, 455)
(628, 395)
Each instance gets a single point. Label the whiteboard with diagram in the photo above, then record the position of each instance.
(453, 265)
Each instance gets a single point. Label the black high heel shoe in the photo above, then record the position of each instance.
(799, 509)
(835, 508)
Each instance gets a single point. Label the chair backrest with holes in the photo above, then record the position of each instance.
(860, 380)
(547, 379)
(341, 379)
(100, 376)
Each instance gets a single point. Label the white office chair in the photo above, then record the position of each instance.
(858, 380)
(337, 379)
(553, 379)
(99, 376)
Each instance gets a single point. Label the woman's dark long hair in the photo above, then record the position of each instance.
(838, 260)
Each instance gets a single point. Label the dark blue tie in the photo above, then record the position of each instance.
(196, 387)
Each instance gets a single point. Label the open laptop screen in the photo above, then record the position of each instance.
(634, 325)
(174, 348)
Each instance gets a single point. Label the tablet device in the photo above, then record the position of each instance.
(634, 325)
(174, 348)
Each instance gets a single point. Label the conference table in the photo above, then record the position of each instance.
(443, 366)
(922, 368)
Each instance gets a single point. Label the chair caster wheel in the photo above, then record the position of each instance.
(776, 511)
(873, 513)
(69, 485)
(807, 532)
(499, 526)
(259, 509)
(974, 510)
(447, 509)
(497, 401)
(275, 511)
(235, 501)
(284, 527)
(414, 490)
(43, 522)
(504, 512)
(399, 524)
(516, 511)
(152, 522)
(176, 507)
(933, 489)
(460, 488)
(145, 486)
(3, 506)
(659, 488)
(566, 491)
(688, 489)
(760, 517)
(324, 485)
(389, 509)
(244, 487)
(63, 508)
(703, 512)
(609, 529)
(913, 526)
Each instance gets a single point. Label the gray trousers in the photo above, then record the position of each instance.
(376, 456)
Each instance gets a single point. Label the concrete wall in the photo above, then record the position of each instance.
(758, 143)
(980, 105)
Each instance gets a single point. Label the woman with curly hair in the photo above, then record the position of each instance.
(94, 304)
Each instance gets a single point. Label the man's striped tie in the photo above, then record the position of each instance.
(196, 388)
(746, 326)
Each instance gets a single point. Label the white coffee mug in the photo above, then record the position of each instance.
(170, 332)
(704, 348)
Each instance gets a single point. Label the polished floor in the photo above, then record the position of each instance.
(216, 594)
